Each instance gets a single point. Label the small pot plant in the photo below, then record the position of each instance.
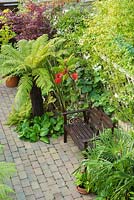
(82, 181)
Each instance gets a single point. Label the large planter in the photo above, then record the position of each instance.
(12, 81)
(81, 190)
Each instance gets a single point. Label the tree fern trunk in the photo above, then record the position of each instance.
(37, 101)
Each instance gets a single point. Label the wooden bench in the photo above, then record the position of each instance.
(83, 129)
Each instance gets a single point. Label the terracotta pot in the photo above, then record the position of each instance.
(82, 190)
(12, 81)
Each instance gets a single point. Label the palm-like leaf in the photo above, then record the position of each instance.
(6, 171)
(42, 79)
(23, 93)
(28, 59)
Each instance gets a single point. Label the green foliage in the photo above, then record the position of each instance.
(30, 60)
(71, 25)
(109, 165)
(72, 21)
(90, 86)
(41, 128)
(6, 34)
(16, 116)
(109, 43)
(82, 179)
(6, 171)
(111, 31)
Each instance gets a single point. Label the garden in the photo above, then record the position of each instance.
(69, 56)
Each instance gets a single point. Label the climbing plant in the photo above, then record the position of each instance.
(110, 46)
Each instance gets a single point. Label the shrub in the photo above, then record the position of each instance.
(31, 23)
(110, 165)
(41, 128)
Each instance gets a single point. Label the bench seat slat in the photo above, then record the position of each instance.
(82, 132)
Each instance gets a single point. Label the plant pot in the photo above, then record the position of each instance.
(81, 190)
(12, 81)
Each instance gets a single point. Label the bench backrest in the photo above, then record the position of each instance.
(98, 120)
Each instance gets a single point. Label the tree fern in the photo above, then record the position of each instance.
(23, 93)
(29, 59)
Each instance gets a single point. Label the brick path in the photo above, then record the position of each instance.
(43, 171)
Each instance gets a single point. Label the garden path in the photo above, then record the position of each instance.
(43, 171)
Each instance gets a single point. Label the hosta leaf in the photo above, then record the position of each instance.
(55, 136)
(45, 140)
(44, 132)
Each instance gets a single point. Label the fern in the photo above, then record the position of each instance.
(6, 171)
(42, 80)
(23, 93)
(12, 52)
(27, 60)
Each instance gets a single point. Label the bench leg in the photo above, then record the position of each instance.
(65, 136)
(85, 145)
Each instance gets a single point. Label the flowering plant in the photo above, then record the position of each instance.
(31, 23)
(59, 76)
(65, 77)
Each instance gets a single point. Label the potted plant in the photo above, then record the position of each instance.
(6, 35)
(81, 182)
(12, 81)
(109, 164)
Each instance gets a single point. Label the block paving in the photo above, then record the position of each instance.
(44, 172)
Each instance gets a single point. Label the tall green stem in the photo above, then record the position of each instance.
(58, 93)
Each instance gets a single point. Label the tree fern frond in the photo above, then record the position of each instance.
(10, 66)
(12, 52)
(25, 47)
(40, 50)
(39, 44)
(42, 79)
(4, 192)
(24, 89)
(3, 57)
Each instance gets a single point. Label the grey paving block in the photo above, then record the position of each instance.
(43, 171)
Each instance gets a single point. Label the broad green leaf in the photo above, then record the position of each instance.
(45, 140)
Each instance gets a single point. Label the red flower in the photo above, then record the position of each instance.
(74, 76)
(59, 75)
(57, 80)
